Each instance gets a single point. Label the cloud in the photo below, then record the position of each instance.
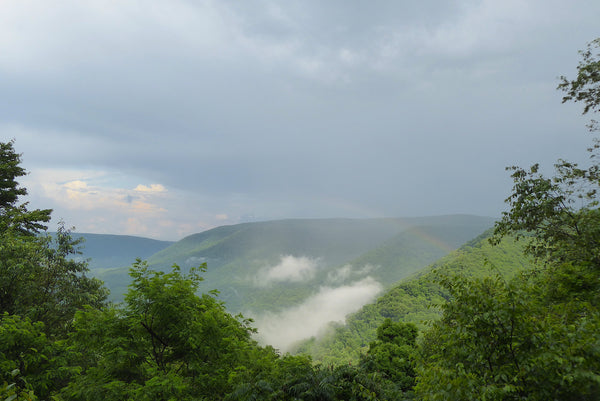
(152, 188)
(289, 269)
(78, 194)
(273, 109)
(348, 272)
(340, 275)
(330, 304)
(76, 185)
(94, 197)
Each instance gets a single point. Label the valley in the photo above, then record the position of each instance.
(295, 278)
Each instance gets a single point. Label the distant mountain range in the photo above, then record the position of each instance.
(105, 251)
(276, 271)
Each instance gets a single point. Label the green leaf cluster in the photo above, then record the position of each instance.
(534, 336)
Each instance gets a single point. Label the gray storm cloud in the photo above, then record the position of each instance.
(366, 111)
(330, 304)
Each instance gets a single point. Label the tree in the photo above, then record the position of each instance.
(14, 216)
(165, 342)
(586, 87)
(38, 277)
(30, 361)
(533, 337)
(41, 288)
(40, 280)
(393, 353)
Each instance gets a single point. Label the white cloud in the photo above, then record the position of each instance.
(289, 269)
(151, 188)
(340, 275)
(284, 329)
(96, 198)
(348, 272)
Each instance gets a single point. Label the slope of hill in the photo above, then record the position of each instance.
(413, 299)
(105, 251)
(294, 276)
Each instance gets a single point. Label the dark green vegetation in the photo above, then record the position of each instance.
(506, 329)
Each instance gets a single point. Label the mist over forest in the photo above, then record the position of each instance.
(297, 277)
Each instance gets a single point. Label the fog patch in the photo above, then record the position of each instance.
(289, 269)
(194, 261)
(340, 275)
(348, 272)
(283, 329)
(366, 269)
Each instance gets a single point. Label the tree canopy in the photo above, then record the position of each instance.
(533, 337)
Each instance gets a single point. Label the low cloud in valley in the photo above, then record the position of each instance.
(330, 304)
(289, 269)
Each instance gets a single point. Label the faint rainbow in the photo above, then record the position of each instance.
(427, 237)
(358, 209)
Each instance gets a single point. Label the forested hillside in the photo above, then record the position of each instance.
(415, 299)
(243, 260)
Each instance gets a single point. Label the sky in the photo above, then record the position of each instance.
(163, 118)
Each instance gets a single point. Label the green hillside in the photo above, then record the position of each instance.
(413, 249)
(414, 299)
(238, 256)
(105, 251)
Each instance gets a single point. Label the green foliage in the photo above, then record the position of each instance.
(413, 300)
(165, 342)
(39, 280)
(559, 215)
(13, 216)
(37, 277)
(535, 336)
(393, 354)
(586, 87)
(501, 340)
(41, 289)
(338, 383)
(29, 360)
(12, 392)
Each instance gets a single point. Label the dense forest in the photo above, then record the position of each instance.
(502, 335)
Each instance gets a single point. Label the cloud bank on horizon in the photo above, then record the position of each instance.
(167, 117)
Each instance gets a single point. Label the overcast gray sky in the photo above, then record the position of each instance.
(163, 118)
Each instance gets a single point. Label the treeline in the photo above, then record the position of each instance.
(530, 337)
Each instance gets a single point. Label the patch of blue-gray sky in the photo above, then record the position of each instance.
(166, 117)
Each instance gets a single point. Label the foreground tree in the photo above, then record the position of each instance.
(500, 340)
(534, 337)
(41, 288)
(392, 354)
(38, 277)
(14, 216)
(164, 343)
(586, 87)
